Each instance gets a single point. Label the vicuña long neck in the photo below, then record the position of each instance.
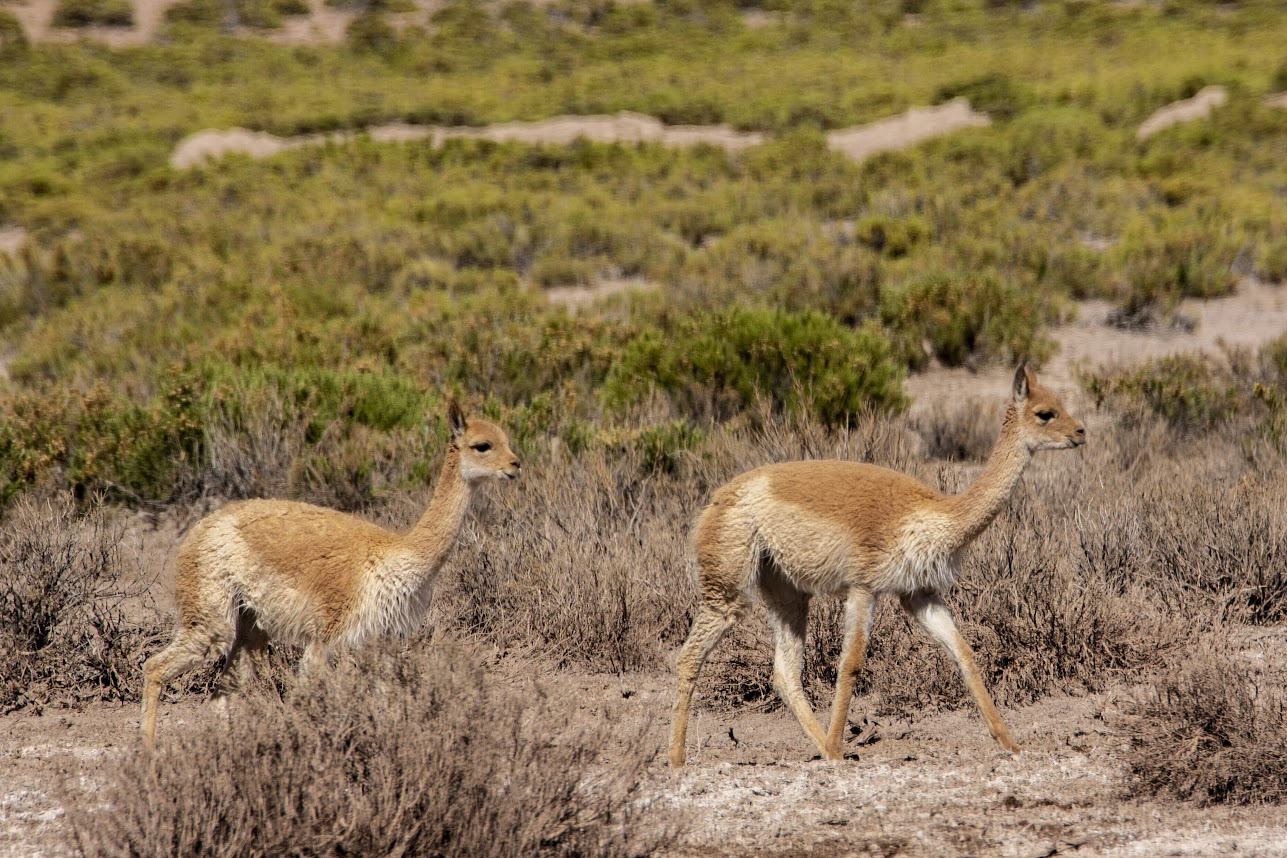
(974, 509)
(435, 533)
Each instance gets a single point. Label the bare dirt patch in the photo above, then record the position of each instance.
(906, 129)
(624, 127)
(898, 132)
(1188, 110)
(36, 18)
(575, 298)
(12, 238)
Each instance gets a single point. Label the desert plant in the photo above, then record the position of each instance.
(1211, 729)
(63, 585)
(400, 752)
(84, 13)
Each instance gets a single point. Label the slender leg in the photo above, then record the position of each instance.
(715, 618)
(933, 615)
(858, 612)
(189, 649)
(248, 646)
(789, 617)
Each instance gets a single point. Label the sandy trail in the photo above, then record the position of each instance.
(906, 129)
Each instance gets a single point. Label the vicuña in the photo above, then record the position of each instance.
(270, 569)
(800, 529)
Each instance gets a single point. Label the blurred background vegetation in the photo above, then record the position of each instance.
(155, 314)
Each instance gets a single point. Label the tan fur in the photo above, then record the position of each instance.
(800, 529)
(298, 573)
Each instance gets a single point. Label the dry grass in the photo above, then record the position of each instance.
(1212, 728)
(1102, 569)
(397, 754)
(62, 593)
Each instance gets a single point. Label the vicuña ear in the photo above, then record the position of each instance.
(1022, 376)
(455, 418)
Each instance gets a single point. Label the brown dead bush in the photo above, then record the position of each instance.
(1212, 728)
(62, 593)
(392, 754)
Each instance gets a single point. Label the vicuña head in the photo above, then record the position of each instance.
(800, 529)
(268, 569)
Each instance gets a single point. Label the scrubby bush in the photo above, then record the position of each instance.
(964, 317)
(717, 365)
(1188, 391)
(62, 589)
(404, 754)
(1211, 729)
(84, 13)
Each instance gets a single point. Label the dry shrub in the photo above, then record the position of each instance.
(960, 432)
(61, 606)
(397, 754)
(1211, 728)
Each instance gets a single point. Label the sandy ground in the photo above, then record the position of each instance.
(623, 127)
(906, 129)
(1198, 107)
(935, 786)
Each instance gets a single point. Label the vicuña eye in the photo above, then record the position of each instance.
(1045, 415)
(481, 446)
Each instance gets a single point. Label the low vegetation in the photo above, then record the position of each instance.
(176, 338)
(401, 754)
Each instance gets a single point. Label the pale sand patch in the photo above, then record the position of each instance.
(1188, 110)
(12, 238)
(574, 298)
(1277, 99)
(1255, 314)
(906, 129)
(623, 127)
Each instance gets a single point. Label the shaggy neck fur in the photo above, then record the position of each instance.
(974, 509)
(435, 533)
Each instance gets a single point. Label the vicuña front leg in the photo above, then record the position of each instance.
(933, 615)
(858, 609)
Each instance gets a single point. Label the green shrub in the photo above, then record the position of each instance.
(965, 317)
(1186, 391)
(993, 93)
(85, 13)
(372, 32)
(716, 365)
(13, 39)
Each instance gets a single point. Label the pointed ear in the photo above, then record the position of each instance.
(455, 418)
(1022, 380)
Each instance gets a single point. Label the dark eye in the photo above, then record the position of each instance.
(481, 446)
(1045, 415)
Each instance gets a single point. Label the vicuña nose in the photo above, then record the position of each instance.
(516, 463)
(1081, 431)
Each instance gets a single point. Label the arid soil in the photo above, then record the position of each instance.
(934, 786)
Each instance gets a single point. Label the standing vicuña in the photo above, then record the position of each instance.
(800, 529)
(264, 569)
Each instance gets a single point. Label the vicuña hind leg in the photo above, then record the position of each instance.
(248, 647)
(789, 617)
(933, 615)
(716, 617)
(858, 609)
(189, 649)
